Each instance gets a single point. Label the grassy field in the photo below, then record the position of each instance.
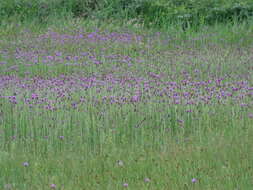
(91, 106)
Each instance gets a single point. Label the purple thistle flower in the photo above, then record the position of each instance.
(96, 62)
(250, 115)
(34, 96)
(147, 180)
(194, 180)
(135, 98)
(180, 121)
(58, 54)
(68, 58)
(74, 105)
(26, 164)
(84, 54)
(61, 137)
(13, 99)
(53, 186)
(243, 105)
(125, 185)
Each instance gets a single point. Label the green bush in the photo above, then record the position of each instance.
(150, 12)
(191, 12)
(42, 9)
(25, 9)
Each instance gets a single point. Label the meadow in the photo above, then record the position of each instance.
(91, 106)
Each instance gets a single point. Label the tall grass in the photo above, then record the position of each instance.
(126, 94)
(91, 105)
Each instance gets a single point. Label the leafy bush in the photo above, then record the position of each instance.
(150, 12)
(192, 12)
(42, 9)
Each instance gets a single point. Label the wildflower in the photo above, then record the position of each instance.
(125, 185)
(243, 105)
(34, 96)
(61, 137)
(194, 180)
(13, 99)
(58, 54)
(146, 180)
(53, 186)
(74, 105)
(180, 121)
(96, 62)
(25, 164)
(135, 98)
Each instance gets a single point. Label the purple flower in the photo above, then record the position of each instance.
(135, 98)
(26, 164)
(84, 53)
(96, 62)
(61, 137)
(34, 96)
(53, 186)
(250, 115)
(58, 54)
(125, 185)
(147, 180)
(74, 105)
(180, 121)
(50, 57)
(194, 180)
(13, 99)
(68, 58)
(243, 105)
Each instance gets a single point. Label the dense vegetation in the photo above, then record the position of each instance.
(116, 94)
(159, 13)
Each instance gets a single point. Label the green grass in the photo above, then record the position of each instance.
(214, 149)
(80, 148)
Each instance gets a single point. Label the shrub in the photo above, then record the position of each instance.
(150, 12)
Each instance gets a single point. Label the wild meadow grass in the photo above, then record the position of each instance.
(87, 106)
